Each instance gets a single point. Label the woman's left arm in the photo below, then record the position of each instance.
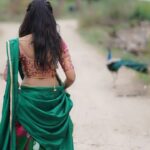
(5, 72)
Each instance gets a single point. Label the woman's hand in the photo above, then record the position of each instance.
(70, 78)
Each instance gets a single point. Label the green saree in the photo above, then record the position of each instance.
(42, 111)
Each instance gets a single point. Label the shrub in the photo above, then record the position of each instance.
(111, 12)
(142, 11)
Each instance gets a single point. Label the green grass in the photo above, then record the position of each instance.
(4, 11)
(94, 35)
(106, 12)
(3, 3)
(144, 78)
(112, 12)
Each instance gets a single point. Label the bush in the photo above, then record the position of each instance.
(90, 18)
(142, 11)
(112, 12)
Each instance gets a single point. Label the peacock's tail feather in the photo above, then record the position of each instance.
(140, 67)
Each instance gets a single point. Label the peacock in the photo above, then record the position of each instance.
(114, 65)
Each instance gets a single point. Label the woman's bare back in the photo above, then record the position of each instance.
(27, 56)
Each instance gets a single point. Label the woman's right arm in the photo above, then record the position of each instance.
(66, 64)
(70, 78)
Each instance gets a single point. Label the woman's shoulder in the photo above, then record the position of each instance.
(25, 38)
(20, 39)
(26, 47)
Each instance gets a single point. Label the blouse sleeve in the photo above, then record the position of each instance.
(65, 61)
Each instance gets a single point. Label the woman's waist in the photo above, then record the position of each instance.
(41, 89)
(48, 81)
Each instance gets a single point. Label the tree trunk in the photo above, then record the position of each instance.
(17, 6)
(14, 6)
(78, 4)
(60, 7)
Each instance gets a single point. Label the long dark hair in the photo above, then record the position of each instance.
(40, 22)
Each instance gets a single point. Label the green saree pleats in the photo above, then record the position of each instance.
(42, 111)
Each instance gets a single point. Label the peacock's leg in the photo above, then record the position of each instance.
(115, 77)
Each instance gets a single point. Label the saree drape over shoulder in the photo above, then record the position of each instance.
(33, 118)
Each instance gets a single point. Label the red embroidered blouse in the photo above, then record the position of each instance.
(31, 71)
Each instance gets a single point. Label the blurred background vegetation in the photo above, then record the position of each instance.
(122, 25)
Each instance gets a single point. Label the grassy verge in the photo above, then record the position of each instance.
(98, 36)
(144, 78)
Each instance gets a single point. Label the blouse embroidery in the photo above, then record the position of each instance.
(30, 70)
(66, 62)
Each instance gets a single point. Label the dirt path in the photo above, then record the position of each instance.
(104, 118)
